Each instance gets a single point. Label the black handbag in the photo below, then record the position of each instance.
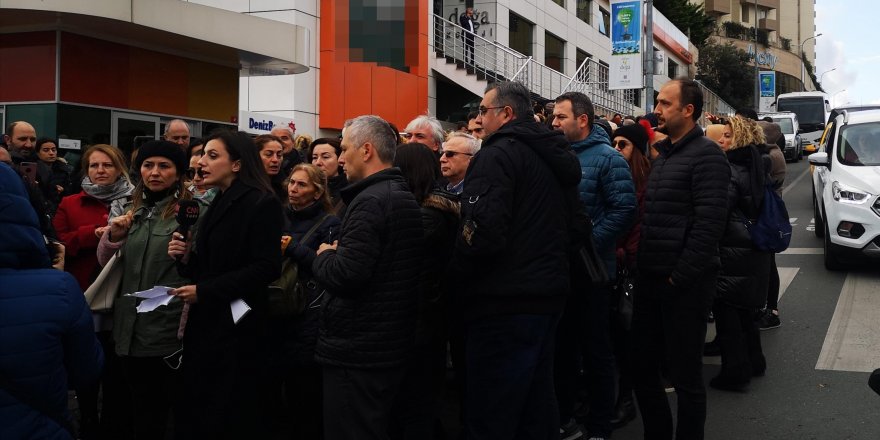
(287, 295)
(622, 305)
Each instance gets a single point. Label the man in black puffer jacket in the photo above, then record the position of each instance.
(685, 216)
(372, 278)
(511, 260)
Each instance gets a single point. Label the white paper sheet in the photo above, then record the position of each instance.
(152, 293)
(153, 298)
(239, 309)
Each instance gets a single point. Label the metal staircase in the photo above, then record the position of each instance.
(492, 62)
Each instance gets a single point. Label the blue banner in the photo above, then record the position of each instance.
(625, 68)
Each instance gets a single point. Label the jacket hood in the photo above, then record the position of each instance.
(21, 243)
(598, 136)
(550, 145)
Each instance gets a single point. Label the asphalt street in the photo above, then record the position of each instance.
(819, 360)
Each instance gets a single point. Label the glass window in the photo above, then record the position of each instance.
(42, 116)
(554, 52)
(580, 56)
(672, 69)
(560, 2)
(745, 13)
(521, 34)
(636, 97)
(857, 146)
(605, 24)
(785, 124)
(87, 124)
(585, 11)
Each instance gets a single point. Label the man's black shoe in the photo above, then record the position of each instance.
(624, 412)
(724, 384)
(769, 320)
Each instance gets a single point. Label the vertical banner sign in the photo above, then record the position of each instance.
(625, 71)
(767, 79)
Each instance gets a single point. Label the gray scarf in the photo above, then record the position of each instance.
(108, 193)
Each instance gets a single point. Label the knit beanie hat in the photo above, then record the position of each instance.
(635, 133)
(162, 148)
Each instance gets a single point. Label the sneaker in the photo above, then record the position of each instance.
(570, 431)
(770, 320)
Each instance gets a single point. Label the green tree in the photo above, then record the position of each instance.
(689, 18)
(726, 70)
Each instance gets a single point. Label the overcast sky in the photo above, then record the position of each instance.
(849, 44)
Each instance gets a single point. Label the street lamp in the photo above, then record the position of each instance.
(835, 96)
(801, 54)
(823, 74)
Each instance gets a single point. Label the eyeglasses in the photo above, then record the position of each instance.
(621, 144)
(451, 154)
(482, 110)
(191, 173)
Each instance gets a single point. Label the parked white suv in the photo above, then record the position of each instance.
(846, 187)
(788, 123)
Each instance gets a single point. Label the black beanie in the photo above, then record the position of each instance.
(634, 133)
(162, 148)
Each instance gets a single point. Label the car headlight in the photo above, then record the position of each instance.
(789, 143)
(847, 194)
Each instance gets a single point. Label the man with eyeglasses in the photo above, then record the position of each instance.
(510, 268)
(456, 156)
(474, 129)
(177, 131)
(425, 130)
(606, 189)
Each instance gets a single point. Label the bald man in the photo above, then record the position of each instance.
(21, 138)
(177, 131)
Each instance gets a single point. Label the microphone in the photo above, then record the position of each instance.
(187, 215)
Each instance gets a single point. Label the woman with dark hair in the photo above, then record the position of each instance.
(325, 155)
(745, 270)
(632, 141)
(271, 152)
(309, 221)
(418, 402)
(235, 257)
(144, 340)
(54, 174)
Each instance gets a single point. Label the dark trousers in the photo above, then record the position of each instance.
(510, 378)
(469, 48)
(670, 322)
(584, 341)
(112, 421)
(358, 402)
(417, 406)
(155, 395)
(740, 341)
(773, 288)
(303, 400)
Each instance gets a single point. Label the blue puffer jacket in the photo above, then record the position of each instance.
(607, 191)
(46, 337)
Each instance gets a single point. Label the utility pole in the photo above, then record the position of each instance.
(649, 56)
(755, 59)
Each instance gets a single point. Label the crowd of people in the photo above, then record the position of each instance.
(560, 267)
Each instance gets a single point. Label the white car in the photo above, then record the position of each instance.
(846, 187)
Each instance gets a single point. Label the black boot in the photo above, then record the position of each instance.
(624, 412)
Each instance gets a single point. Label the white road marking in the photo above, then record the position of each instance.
(853, 339)
(803, 251)
(793, 220)
(786, 276)
(812, 226)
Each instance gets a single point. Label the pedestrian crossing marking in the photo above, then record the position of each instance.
(851, 343)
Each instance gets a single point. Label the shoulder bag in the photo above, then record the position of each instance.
(287, 295)
(102, 292)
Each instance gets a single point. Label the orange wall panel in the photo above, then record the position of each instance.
(27, 67)
(94, 71)
(351, 86)
(158, 82)
(213, 92)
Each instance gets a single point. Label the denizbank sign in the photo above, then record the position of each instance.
(262, 123)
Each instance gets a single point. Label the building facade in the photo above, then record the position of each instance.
(785, 28)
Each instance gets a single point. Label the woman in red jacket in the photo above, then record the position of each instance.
(82, 218)
(80, 221)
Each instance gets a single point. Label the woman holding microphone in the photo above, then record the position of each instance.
(232, 261)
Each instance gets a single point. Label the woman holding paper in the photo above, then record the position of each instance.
(234, 258)
(147, 342)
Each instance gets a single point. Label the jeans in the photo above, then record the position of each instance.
(670, 322)
(510, 378)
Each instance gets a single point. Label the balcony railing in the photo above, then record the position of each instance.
(496, 62)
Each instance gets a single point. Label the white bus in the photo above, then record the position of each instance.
(811, 108)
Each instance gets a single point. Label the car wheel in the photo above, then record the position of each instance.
(818, 224)
(830, 250)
